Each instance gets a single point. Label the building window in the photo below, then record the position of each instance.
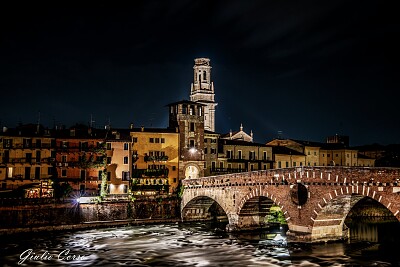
(125, 176)
(157, 140)
(323, 155)
(174, 180)
(252, 155)
(162, 140)
(213, 151)
(221, 165)
(200, 111)
(10, 172)
(315, 153)
(301, 163)
(287, 164)
(174, 168)
(294, 164)
(213, 165)
(151, 140)
(204, 76)
(108, 146)
(191, 143)
(308, 153)
(64, 173)
(134, 139)
(7, 143)
(108, 160)
(83, 174)
(279, 164)
(315, 164)
(265, 155)
(205, 165)
(108, 176)
(229, 154)
(328, 155)
(205, 150)
(125, 160)
(229, 166)
(239, 154)
(63, 158)
(126, 146)
(337, 155)
(184, 109)
(191, 127)
(100, 175)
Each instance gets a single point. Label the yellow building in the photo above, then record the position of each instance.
(325, 154)
(120, 159)
(156, 158)
(285, 157)
(211, 159)
(27, 153)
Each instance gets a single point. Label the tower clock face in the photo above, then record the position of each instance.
(191, 172)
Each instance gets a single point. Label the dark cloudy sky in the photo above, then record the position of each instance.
(307, 68)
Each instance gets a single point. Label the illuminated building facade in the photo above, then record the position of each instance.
(155, 161)
(80, 158)
(27, 158)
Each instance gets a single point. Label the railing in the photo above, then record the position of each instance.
(27, 160)
(95, 149)
(155, 187)
(138, 173)
(155, 158)
(31, 146)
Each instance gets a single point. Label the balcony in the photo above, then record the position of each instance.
(140, 173)
(153, 187)
(82, 164)
(155, 158)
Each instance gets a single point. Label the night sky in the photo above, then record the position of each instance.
(307, 68)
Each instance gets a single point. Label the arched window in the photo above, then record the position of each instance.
(204, 76)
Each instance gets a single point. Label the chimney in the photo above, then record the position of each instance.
(5, 129)
(142, 128)
(131, 126)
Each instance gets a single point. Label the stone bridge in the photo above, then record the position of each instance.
(315, 200)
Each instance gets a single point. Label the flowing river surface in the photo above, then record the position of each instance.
(199, 244)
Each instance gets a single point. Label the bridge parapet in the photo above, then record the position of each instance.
(340, 175)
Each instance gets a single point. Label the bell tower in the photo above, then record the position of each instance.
(202, 91)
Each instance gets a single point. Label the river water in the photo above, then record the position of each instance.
(199, 244)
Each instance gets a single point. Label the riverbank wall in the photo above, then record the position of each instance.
(21, 216)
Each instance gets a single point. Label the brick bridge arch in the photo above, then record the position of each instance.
(328, 188)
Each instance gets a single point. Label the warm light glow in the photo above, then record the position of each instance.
(192, 150)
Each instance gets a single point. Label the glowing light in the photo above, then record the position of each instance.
(78, 200)
(192, 150)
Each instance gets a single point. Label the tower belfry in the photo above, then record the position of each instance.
(202, 91)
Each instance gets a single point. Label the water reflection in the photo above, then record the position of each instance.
(199, 245)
